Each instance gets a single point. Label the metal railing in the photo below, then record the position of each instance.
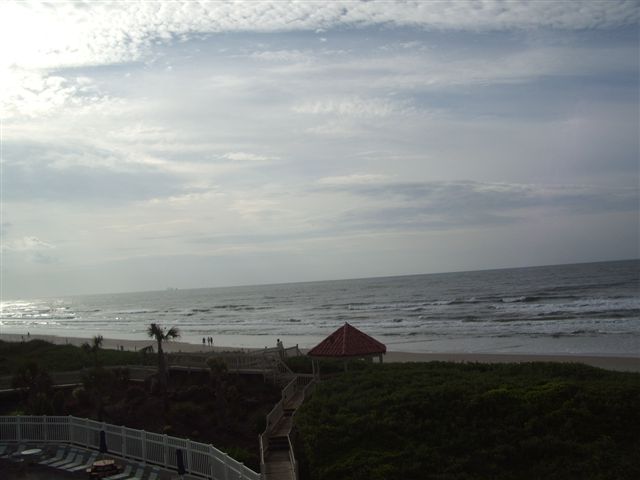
(309, 387)
(201, 460)
(292, 459)
(264, 444)
(284, 352)
(270, 366)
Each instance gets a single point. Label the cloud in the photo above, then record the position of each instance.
(64, 173)
(254, 136)
(417, 205)
(340, 128)
(354, 179)
(26, 244)
(354, 107)
(32, 93)
(247, 157)
(255, 207)
(286, 56)
(73, 34)
(30, 249)
(433, 71)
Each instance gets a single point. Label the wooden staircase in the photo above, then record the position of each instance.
(278, 459)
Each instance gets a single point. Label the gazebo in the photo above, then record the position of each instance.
(345, 343)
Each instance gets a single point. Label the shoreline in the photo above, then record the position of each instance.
(607, 362)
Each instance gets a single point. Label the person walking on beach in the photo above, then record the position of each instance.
(203, 341)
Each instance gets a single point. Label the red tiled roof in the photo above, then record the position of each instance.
(347, 341)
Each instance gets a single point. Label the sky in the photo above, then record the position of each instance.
(147, 145)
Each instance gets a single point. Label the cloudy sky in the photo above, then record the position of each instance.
(181, 144)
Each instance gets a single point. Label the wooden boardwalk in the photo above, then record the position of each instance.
(279, 459)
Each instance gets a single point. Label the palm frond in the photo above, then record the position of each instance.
(173, 332)
(97, 342)
(155, 330)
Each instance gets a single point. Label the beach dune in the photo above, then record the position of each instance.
(629, 364)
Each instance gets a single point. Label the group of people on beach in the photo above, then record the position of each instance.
(208, 341)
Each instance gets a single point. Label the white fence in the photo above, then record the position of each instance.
(202, 460)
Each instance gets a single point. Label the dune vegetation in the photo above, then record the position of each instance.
(472, 421)
(60, 358)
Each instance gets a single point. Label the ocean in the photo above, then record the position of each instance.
(564, 309)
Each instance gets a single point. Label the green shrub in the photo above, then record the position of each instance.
(240, 454)
(189, 414)
(59, 358)
(440, 420)
(81, 395)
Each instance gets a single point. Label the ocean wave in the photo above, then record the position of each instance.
(38, 316)
(460, 301)
(242, 308)
(398, 334)
(135, 312)
(576, 333)
(521, 299)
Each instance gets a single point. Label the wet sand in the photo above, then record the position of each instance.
(630, 364)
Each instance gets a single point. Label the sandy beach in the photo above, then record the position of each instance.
(630, 364)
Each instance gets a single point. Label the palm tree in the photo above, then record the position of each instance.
(159, 333)
(94, 347)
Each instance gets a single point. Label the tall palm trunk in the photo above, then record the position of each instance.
(159, 333)
(162, 367)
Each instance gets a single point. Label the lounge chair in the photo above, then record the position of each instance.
(80, 462)
(58, 456)
(155, 472)
(87, 463)
(121, 476)
(138, 475)
(15, 455)
(71, 455)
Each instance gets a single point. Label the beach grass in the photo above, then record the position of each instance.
(58, 358)
(468, 421)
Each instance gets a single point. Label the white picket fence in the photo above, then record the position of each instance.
(201, 460)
